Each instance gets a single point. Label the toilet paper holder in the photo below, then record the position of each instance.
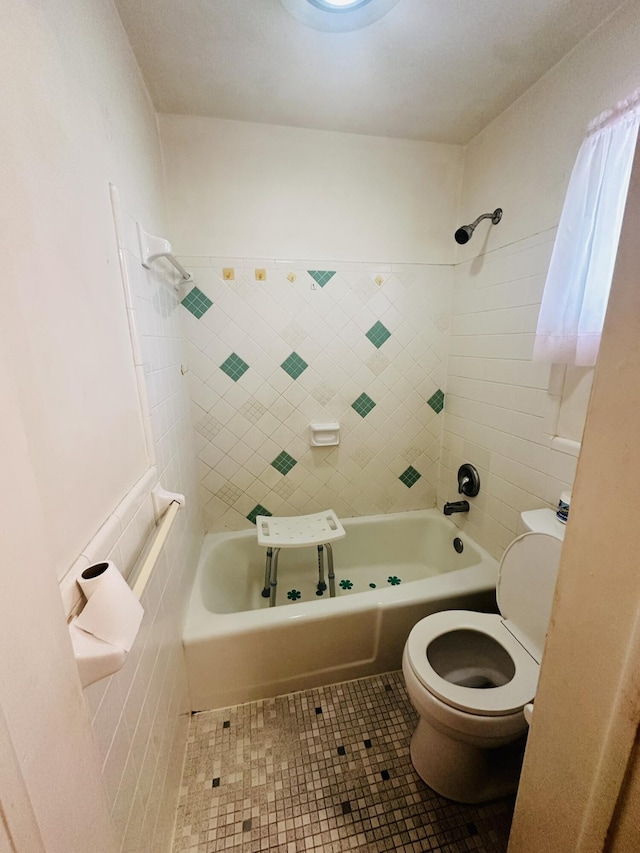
(106, 628)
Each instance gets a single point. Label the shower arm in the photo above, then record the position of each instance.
(495, 217)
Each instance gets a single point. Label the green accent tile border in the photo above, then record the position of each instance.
(363, 405)
(410, 477)
(234, 367)
(256, 511)
(284, 462)
(294, 365)
(321, 277)
(197, 302)
(378, 334)
(436, 401)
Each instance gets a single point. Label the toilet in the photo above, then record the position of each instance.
(470, 675)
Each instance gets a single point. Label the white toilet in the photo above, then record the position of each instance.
(469, 675)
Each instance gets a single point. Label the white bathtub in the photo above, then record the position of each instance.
(239, 649)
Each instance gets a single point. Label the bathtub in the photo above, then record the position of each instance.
(391, 571)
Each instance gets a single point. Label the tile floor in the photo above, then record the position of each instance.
(322, 770)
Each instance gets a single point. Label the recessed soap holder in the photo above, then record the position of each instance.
(324, 435)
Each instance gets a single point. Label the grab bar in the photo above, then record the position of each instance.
(186, 276)
(149, 563)
(152, 248)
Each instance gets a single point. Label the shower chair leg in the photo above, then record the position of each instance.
(332, 577)
(266, 592)
(274, 577)
(321, 581)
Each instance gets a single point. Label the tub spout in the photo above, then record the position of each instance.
(456, 506)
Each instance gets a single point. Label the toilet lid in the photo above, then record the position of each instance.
(495, 701)
(525, 587)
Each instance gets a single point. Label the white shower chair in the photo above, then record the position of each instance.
(298, 531)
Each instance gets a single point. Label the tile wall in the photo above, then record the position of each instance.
(140, 715)
(273, 346)
(498, 400)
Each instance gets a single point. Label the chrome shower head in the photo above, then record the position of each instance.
(465, 232)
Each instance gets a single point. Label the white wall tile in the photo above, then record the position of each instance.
(499, 409)
(133, 709)
(327, 327)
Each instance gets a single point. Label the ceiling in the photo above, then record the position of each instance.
(438, 70)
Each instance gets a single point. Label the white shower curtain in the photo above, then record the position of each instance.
(579, 278)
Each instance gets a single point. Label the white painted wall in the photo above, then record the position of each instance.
(501, 407)
(44, 714)
(53, 799)
(237, 189)
(522, 161)
(67, 130)
(76, 115)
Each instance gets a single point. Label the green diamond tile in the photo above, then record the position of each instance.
(436, 401)
(363, 405)
(378, 334)
(321, 277)
(196, 302)
(234, 367)
(283, 462)
(410, 476)
(256, 511)
(294, 365)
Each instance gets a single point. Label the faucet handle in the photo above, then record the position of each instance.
(468, 480)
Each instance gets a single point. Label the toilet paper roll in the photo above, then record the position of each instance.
(112, 613)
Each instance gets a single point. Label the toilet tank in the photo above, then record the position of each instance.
(541, 521)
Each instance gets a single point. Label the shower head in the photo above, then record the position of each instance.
(465, 232)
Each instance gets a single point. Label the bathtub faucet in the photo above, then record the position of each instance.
(456, 506)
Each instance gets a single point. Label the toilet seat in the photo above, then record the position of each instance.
(495, 701)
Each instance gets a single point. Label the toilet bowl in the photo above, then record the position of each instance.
(469, 675)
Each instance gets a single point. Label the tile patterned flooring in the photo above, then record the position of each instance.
(325, 770)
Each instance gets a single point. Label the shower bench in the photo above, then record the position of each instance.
(298, 531)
